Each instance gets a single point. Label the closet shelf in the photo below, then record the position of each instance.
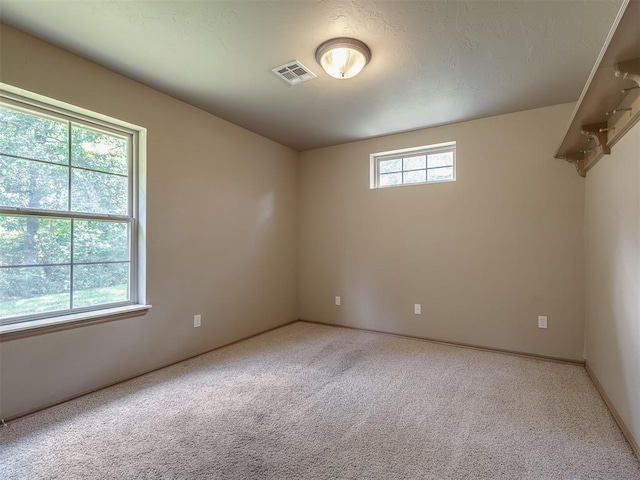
(610, 101)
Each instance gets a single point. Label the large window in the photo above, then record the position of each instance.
(68, 213)
(428, 164)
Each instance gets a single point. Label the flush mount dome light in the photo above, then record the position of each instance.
(343, 57)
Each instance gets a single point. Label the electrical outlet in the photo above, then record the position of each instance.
(542, 321)
(197, 321)
(417, 309)
(337, 300)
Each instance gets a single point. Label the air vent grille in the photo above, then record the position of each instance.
(294, 73)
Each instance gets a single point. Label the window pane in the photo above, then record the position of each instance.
(390, 179)
(414, 163)
(94, 192)
(31, 240)
(28, 184)
(417, 176)
(31, 290)
(98, 151)
(388, 166)
(31, 136)
(439, 174)
(95, 241)
(99, 284)
(444, 159)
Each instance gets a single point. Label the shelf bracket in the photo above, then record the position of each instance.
(629, 70)
(598, 132)
(579, 160)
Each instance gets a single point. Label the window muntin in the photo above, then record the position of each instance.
(428, 164)
(67, 214)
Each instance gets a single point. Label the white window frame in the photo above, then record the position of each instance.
(136, 217)
(376, 158)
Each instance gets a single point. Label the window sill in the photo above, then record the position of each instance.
(66, 322)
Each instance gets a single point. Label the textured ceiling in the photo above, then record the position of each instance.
(434, 62)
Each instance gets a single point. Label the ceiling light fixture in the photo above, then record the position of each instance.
(343, 57)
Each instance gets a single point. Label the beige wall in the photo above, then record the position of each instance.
(239, 227)
(613, 276)
(484, 255)
(221, 235)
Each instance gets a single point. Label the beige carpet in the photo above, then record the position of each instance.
(315, 402)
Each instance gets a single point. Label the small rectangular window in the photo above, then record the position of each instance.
(427, 164)
(68, 213)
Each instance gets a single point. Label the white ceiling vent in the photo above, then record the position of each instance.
(294, 72)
